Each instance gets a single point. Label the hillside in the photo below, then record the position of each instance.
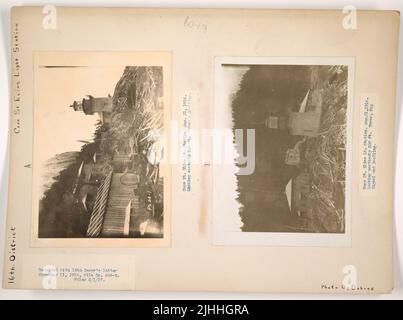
(279, 90)
(133, 131)
(55, 165)
(136, 129)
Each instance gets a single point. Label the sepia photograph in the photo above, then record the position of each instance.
(220, 151)
(298, 114)
(98, 145)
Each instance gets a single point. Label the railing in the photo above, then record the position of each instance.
(97, 215)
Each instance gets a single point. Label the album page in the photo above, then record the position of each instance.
(201, 150)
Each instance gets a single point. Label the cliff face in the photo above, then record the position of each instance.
(55, 165)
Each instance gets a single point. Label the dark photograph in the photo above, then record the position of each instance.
(106, 182)
(299, 114)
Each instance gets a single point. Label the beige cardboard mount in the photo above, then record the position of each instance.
(190, 42)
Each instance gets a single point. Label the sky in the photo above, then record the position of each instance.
(60, 78)
(225, 176)
(57, 126)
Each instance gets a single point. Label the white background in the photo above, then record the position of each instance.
(295, 4)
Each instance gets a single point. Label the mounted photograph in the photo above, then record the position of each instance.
(100, 122)
(299, 111)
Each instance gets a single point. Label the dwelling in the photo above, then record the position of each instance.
(305, 121)
(103, 106)
(87, 182)
(297, 191)
(110, 194)
(293, 157)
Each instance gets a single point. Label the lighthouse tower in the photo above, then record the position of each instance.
(90, 105)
